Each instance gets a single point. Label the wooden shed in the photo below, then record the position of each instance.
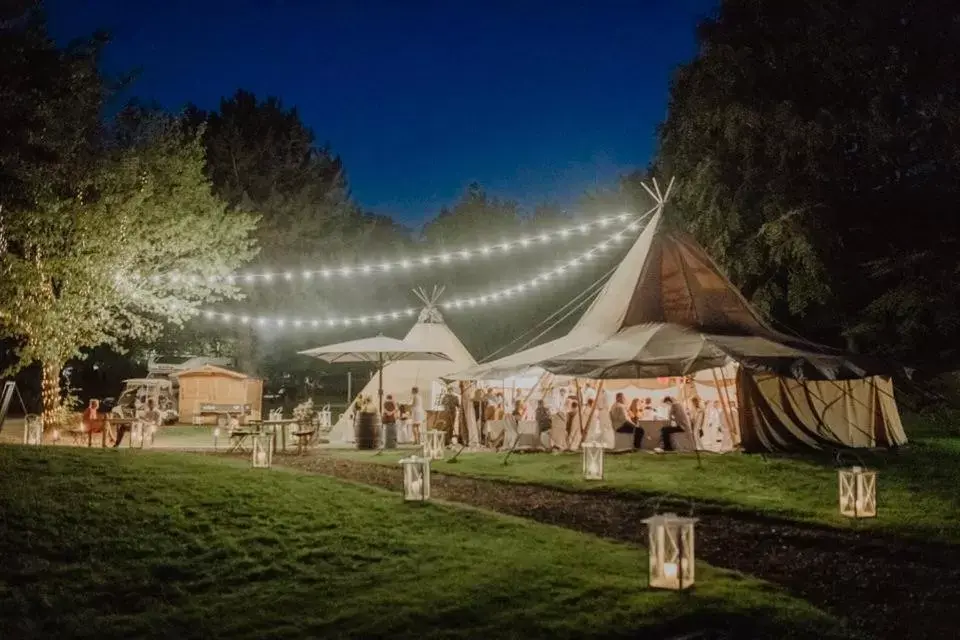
(210, 391)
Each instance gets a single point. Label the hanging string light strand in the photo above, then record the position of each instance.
(515, 291)
(463, 255)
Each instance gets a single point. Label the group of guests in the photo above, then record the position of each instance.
(408, 419)
(702, 422)
(96, 422)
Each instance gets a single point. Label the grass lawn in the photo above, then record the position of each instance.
(917, 487)
(124, 544)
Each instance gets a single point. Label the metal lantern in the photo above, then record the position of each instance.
(262, 450)
(592, 460)
(416, 478)
(671, 551)
(32, 430)
(858, 492)
(433, 447)
(216, 437)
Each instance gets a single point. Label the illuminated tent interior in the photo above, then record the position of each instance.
(668, 311)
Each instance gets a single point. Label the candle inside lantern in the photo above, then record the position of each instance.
(216, 433)
(670, 570)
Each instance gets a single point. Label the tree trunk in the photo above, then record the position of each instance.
(50, 390)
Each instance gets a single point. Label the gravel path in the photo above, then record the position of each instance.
(884, 587)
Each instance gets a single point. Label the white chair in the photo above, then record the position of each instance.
(324, 417)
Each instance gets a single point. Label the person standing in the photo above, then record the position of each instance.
(451, 412)
(391, 412)
(698, 418)
(417, 415)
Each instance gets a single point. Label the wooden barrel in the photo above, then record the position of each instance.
(368, 431)
(390, 436)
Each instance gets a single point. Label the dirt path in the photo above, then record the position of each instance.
(884, 587)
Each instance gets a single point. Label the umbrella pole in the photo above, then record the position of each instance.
(380, 380)
(383, 427)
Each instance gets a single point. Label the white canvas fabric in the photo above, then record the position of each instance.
(668, 310)
(399, 378)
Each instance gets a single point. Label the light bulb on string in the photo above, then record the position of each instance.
(546, 276)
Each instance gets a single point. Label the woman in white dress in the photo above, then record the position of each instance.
(417, 415)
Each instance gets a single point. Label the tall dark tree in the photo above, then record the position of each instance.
(817, 146)
(262, 157)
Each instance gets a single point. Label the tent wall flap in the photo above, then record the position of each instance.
(784, 414)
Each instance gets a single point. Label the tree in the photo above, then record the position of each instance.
(104, 234)
(262, 157)
(816, 150)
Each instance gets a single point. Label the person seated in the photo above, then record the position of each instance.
(679, 424)
(635, 412)
(622, 422)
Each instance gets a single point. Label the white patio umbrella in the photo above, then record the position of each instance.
(380, 350)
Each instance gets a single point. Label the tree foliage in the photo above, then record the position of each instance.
(817, 145)
(90, 214)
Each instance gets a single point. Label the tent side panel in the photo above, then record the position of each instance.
(783, 414)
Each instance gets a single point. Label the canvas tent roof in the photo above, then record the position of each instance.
(668, 310)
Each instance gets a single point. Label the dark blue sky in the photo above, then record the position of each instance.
(536, 100)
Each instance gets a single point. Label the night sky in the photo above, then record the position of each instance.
(537, 101)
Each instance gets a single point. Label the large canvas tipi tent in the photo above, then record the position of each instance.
(400, 377)
(668, 310)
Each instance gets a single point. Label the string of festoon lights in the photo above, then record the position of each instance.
(462, 255)
(514, 291)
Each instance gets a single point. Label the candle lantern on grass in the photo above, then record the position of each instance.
(671, 551)
(416, 478)
(858, 492)
(592, 460)
(433, 447)
(32, 430)
(262, 450)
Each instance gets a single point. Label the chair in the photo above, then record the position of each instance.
(558, 431)
(276, 414)
(324, 417)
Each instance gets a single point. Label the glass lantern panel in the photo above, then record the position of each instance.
(671, 553)
(593, 462)
(262, 451)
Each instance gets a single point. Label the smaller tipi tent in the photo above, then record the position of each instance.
(399, 378)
